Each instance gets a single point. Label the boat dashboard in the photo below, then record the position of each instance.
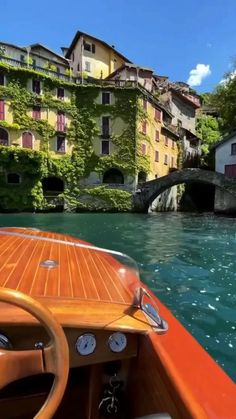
(86, 346)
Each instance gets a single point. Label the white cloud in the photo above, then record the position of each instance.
(231, 76)
(197, 74)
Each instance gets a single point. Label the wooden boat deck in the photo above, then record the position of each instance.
(86, 288)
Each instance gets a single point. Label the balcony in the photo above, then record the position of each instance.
(48, 72)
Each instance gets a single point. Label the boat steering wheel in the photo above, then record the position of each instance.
(51, 359)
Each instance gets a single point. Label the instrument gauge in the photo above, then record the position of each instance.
(117, 342)
(86, 344)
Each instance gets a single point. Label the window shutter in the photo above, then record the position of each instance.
(37, 112)
(27, 140)
(2, 110)
(166, 140)
(157, 135)
(143, 149)
(61, 121)
(144, 127)
(156, 155)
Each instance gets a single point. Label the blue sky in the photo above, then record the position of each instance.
(172, 37)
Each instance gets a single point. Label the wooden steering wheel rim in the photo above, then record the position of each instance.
(58, 359)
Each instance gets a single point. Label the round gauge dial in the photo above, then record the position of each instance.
(86, 344)
(117, 342)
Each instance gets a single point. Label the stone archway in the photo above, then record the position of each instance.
(150, 190)
(113, 176)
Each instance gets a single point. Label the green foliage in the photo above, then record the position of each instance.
(84, 111)
(101, 198)
(224, 99)
(208, 130)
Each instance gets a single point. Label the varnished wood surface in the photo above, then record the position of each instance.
(82, 274)
(72, 313)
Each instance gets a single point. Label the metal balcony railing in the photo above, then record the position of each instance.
(47, 71)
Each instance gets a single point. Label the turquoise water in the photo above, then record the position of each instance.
(187, 260)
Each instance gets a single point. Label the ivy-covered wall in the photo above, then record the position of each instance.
(83, 110)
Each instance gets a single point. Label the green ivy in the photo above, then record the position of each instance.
(83, 111)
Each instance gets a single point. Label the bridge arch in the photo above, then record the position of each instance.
(150, 190)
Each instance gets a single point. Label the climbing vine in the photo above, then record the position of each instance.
(84, 111)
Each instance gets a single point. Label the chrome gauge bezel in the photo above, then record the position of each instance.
(80, 340)
(117, 348)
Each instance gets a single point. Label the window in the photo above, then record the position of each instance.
(2, 81)
(233, 148)
(58, 70)
(13, 178)
(3, 136)
(73, 57)
(89, 47)
(172, 162)
(143, 149)
(166, 159)
(61, 144)
(34, 63)
(144, 127)
(105, 126)
(106, 98)
(2, 110)
(156, 155)
(60, 93)
(22, 58)
(105, 147)
(36, 114)
(27, 140)
(36, 86)
(78, 67)
(173, 144)
(158, 115)
(166, 141)
(87, 66)
(157, 135)
(145, 104)
(61, 126)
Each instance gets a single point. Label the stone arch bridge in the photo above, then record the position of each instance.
(149, 191)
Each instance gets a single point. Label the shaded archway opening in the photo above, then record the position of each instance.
(52, 186)
(113, 176)
(142, 177)
(198, 197)
(4, 137)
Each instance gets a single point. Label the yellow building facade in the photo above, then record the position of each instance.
(92, 57)
(156, 141)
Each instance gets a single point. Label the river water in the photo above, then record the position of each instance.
(187, 260)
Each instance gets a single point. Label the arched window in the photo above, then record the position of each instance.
(13, 178)
(27, 140)
(142, 177)
(4, 137)
(113, 176)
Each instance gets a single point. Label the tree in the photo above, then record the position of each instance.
(224, 100)
(207, 127)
